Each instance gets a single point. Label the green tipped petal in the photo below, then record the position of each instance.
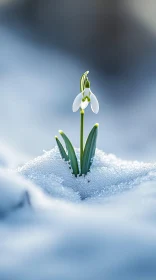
(89, 150)
(71, 154)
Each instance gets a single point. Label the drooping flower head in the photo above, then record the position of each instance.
(84, 98)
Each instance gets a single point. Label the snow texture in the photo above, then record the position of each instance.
(15, 193)
(49, 239)
(62, 237)
(109, 175)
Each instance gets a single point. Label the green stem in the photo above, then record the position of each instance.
(81, 135)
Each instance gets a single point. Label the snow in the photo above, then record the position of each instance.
(54, 239)
(16, 192)
(56, 226)
(109, 175)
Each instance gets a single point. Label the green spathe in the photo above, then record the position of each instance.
(82, 81)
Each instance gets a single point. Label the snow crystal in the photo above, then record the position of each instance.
(109, 175)
(47, 238)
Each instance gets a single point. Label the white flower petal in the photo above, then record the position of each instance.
(94, 103)
(84, 104)
(86, 92)
(77, 102)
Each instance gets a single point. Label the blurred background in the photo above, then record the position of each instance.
(45, 46)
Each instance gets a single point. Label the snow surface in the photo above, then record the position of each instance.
(47, 238)
(109, 175)
(48, 232)
(15, 192)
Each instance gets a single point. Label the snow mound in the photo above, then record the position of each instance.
(45, 238)
(115, 240)
(109, 175)
(17, 193)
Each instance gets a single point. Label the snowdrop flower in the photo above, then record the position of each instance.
(87, 151)
(84, 98)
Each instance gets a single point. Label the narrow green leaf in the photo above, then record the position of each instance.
(89, 150)
(61, 149)
(82, 79)
(71, 153)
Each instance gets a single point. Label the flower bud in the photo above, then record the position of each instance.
(87, 83)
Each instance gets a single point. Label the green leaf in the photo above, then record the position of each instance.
(82, 79)
(71, 153)
(89, 150)
(61, 149)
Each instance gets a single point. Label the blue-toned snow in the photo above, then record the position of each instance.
(109, 175)
(48, 232)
